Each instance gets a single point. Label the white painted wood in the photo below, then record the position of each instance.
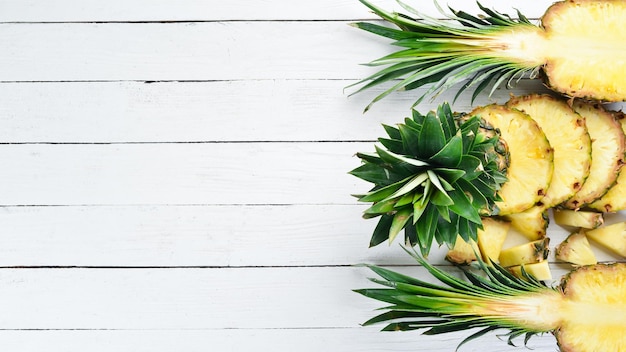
(317, 110)
(216, 236)
(355, 339)
(188, 173)
(214, 10)
(189, 298)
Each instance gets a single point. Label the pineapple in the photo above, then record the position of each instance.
(527, 253)
(573, 48)
(576, 250)
(586, 312)
(491, 238)
(612, 237)
(615, 198)
(463, 252)
(567, 133)
(574, 218)
(532, 223)
(531, 156)
(607, 154)
(434, 176)
(540, 270)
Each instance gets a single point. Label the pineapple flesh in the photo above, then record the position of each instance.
(531, 156)
(576, 250)
(540, 270)
(532, 223)
(567, 133)
(612, 237)
(615, 198)
(575, 218)
(607, 154)
(586, 312)
(527, 253)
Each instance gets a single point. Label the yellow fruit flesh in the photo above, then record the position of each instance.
(540, 270)
(462, 252)
(567, 134)
(574, 218)
(532, 223)
(612, 237)
(594, 309)
(576, 250)
(582, 58)
(531, 156)
(607, 154)
(527, 253)
(491, 238)
(615, 198)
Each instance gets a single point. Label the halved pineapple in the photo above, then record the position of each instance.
(532, 223)
(575, 249)
(531, 156)
(574, 46)
(578, 218)
(586, 312)
(615, 198)
(527, 253)
(566, 132)
(540, 270)
(607, 153)
(612, 237)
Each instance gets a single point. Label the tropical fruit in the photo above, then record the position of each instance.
(527, 253)
(573, 49)
(586, 312)
(532, 223)
(576, 250)
(575, 218)
(611, 237)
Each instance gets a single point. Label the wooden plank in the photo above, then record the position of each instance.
(199, 10)
(187, 173)
(188, 299)
(358, 339)
(174, 236)
(272, 110)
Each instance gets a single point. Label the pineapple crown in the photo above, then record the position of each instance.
(488, 301)
(434, 176)
(443, 53)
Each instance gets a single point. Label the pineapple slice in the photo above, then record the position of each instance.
(615, 198)
(491, 238)
(540, 270)
(462, 252)
(567, 133)
(607, 154)
(613, 237)
(575, 218)
(532, 223)
(576, 250)
(527, 253)
(585, 312)
(531, 157)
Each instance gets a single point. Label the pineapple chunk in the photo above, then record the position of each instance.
(531, 157)
(567, 133)
(613, 237)
(462, 252)
(615, 198)
(607, 154)
(491, 238)
(576, 250)
(574, 218)
(527, 253)
(540, 270)
(531, 223)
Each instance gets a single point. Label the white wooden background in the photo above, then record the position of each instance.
(174, 176)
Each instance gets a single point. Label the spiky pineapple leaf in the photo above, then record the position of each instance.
(429, 178)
